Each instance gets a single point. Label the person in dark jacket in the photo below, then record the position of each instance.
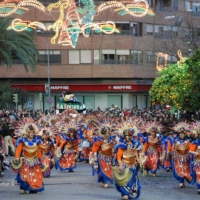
(7, 134)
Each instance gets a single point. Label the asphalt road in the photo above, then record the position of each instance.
(81, 185)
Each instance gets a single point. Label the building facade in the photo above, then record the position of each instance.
(106, 69)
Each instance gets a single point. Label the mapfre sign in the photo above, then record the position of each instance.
(122, 87)
(59, 87)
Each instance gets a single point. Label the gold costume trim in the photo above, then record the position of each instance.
(30, 152)
(130, 157)
(107, 149)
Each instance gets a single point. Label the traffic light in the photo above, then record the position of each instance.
(40, 97)
(15, 98)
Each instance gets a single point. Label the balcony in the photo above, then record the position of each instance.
(117, 62)
(165, 35)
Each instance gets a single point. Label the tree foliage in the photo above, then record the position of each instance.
(18, 44)
(179, 84)
(6, 98)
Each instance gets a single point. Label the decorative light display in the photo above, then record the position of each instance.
(179, 53)
(73, 20)
(79, 20)
(9, 7)
(134, 8)
(19, 25)
(164, 57)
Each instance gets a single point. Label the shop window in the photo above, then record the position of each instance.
(116, 100)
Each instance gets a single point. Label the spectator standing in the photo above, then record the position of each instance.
(7, 134)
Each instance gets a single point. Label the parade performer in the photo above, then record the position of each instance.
(67, 152)
(181, 157)
(165, 157)
(152, 149)
(126, 169)
(87, 140)
(102, 155)
(47, 150)
(194, 149)
(27, 160)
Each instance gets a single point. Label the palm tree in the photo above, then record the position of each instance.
(17, 44)
(5, 94)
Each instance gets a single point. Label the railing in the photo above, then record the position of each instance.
(116, 62)
(165, 9)
(122, 32)
(166, 36)
(196, 13)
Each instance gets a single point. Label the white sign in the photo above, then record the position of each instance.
(59, 87)
(30, 104)
(122, 87)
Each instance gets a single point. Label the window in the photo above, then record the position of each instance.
(89, 102)
(150, 56)
(172, 59)
(123, 27)
(149, 29)
(54, 56)
(167, 3)
(15, 58)
(136, 56)
(135, 101)
(108, 56)
(79, 56)
(187, 5)
(122, 56)
(150, 2)
(85, 56)
(196, 8)
(136, 28)
(116, 100)
(146, 99)
(48, 1)
(74, 57)
(96, 56)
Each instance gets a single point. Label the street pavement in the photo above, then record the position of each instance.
(81, 185)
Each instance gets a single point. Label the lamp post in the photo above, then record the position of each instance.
(49, 100)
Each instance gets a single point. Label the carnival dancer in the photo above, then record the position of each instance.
(180, 157)
(126, 169)
(102, 155)
(165, 158)
(47, 150)
(68, 150)
(87, 141)
(152, 149)
(27, 160)
(194, 149)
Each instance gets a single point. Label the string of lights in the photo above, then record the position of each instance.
(73, 20)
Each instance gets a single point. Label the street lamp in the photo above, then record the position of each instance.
(49, 101)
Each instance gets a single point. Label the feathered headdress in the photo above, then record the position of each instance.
(153, 127)
(67, 127)
(30, 127)
(43, 121)
(50, 131)
(20, 127)
(181, 127)
(104, 129)
(129, 124)
(195, 128)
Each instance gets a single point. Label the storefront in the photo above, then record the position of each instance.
(93, 96)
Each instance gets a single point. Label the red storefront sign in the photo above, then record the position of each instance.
(84, 88)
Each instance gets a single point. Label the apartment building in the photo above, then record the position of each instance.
(105, 69)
